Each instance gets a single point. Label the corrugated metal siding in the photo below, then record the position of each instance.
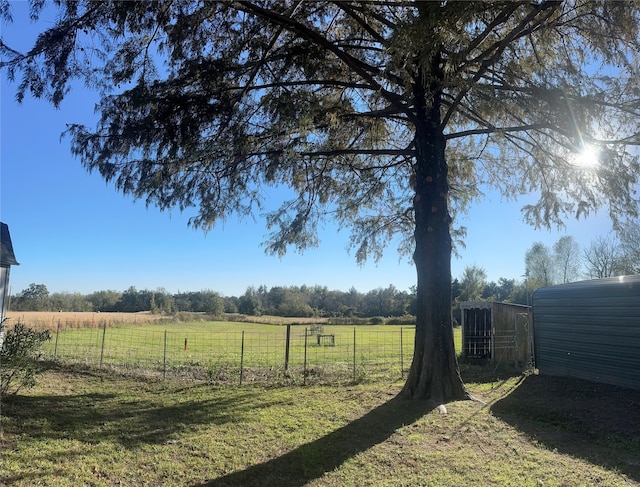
(590, 330)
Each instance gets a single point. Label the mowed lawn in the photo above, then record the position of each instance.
(90, 427)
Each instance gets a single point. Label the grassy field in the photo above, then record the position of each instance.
(266, 342)
(223, 350)
(64, 320)
(89, 427)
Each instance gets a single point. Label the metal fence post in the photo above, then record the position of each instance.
(304, 369)
(241, 357)
(55, 347)
(354, 354)
(401, 355)
(104, 332)
(164, 357)
(287, 344)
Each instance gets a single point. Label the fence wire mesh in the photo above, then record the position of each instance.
(279, 353)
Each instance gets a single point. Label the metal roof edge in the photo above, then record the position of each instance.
(7, 257)
(488, 304)
(590, 283)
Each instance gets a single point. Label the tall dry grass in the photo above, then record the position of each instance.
(63, 320)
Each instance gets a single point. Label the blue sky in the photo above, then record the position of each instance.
(73, 232)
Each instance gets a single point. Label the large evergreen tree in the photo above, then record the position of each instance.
(386, 117)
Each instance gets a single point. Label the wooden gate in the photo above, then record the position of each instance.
(477, 332)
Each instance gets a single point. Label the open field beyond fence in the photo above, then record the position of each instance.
(224, 351)
(63, 320)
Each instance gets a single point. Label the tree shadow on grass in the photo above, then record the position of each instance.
(596, 422)
(97, 417)
(312, 460)
(485, 372)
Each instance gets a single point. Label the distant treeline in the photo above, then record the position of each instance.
(606, 257)
(289, 301)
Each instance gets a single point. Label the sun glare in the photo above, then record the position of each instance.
(588, 157)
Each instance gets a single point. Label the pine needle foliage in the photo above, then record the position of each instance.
(388, 118)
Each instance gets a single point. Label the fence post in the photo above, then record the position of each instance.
(304, 369)
(401, 355)
(164, 357)
(55, 347)
(286, 351)
(104, 332)
(354, 354)
(241, 357)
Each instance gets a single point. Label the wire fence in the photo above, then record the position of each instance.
(282, 353)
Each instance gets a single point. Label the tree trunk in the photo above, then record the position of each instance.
(434, 372)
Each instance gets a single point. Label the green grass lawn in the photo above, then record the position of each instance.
(88, 427)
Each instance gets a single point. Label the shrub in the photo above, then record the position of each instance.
(402, 320)
(18, 357)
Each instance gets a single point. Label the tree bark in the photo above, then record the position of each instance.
(434, 372)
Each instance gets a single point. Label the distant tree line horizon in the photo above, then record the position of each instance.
(286, 301)
(564, 262)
